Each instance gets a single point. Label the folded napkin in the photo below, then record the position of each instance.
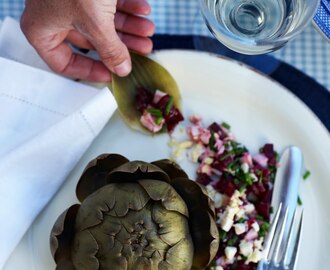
(47, 122)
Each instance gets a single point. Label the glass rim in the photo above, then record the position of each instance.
(214, 24)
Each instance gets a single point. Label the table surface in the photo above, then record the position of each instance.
(309, 51)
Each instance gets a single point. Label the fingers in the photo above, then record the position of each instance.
(79, 40)
(134, 6)
(138, 44)
(109, 33)
(112, 51)
(62, 60)
(96, 27)
(135, 25)
(134, 31)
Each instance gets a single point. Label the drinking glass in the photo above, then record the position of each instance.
(257, 26)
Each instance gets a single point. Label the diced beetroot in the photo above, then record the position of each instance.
(143, 99)
(215, 128)
(264, 209)
(230, 189)
(222, 165)
(268, 150)
(173, 118)
(243, 266)
(265, 173)
(203, 179)
(267, 196)
(272, 161)
(162, 103)
(221, 185)
(257, 188)
(250, 222)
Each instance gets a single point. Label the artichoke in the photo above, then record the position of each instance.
(135, 215)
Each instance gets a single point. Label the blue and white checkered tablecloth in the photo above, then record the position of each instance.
(308, 52)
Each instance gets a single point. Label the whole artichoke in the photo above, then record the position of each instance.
(135, 215)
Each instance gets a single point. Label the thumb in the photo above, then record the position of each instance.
(113, 52)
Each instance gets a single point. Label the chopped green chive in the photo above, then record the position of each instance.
(169, 105)
(306, 175)
(299, 201)
(243, 187)
(232, 240)
(260, 217)
(234, 144)
(159, 120)
(244, 258)
(264, 228)
(212, 142)
(222, 235)
(248, 179)
(228, 154)
(155, 112)
(241, 220)
(225, 125)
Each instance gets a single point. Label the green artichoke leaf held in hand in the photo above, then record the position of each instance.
(148, 74)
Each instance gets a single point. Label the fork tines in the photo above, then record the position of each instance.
(282, 233)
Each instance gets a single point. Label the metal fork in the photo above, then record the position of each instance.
(274, 258)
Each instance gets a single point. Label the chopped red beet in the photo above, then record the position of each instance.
(143, 99)
(268, 150)
(230, 189)
(172, 119)
(203, 179)
(264, 209)
(171, 115)
(215, 127)
(267, 196)
(243, 266)
(246, 183)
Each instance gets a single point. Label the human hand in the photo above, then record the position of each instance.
(107, 26)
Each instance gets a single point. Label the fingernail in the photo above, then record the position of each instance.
(123, 69)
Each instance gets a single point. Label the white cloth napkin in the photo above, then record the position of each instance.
(46, 124)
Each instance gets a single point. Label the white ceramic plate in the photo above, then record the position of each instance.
(259, 111)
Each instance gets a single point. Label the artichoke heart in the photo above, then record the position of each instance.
(135, 215)
(146, 74)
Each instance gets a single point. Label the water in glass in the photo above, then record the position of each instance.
(256, 26)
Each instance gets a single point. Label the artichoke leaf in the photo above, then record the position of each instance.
(206, 238)
(85, 248)
(162, 191)
(180, 256)
(148, 74)
(62, 237)
(201, 210)
(172, 169)
(195, 194)
(172, 225)
(94, 175)
(136, 170)
(108, 200)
